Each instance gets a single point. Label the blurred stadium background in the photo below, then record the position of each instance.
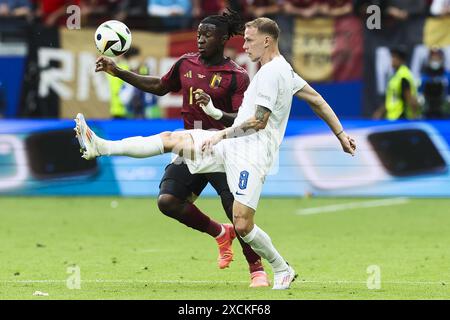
(47, 58)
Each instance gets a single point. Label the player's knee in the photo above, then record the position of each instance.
(242, 220)
(167, 139)
(174, 142)
(169, 205)
(242, 226)
(165, 135)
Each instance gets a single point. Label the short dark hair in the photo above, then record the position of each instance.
(437, 51)
(265, 25)
(400, 51)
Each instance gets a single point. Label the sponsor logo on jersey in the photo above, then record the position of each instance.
(264, 96)
(188, 74)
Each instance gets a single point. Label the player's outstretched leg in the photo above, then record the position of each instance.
(136, 147)
(86, 138)
(143, 147)
(261, 243)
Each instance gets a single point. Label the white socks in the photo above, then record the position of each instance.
(136, 147)
(262, 245)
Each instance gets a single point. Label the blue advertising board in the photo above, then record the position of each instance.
(393, 159)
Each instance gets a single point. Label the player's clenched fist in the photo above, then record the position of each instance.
(348, 143)
(201, 97)
(205, 102)
(106, 64)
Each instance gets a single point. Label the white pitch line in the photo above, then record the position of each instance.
(125, 281)
(354, 205)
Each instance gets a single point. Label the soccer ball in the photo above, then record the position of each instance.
(112, 38)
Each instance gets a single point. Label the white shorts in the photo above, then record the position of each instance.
(244, 179)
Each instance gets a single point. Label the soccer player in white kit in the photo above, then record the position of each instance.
(245, 151)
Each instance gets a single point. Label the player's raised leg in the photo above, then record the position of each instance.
(180, 143)
(261, 243)
(93, 146)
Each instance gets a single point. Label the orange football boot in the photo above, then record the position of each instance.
(225, 248)
(259, 279)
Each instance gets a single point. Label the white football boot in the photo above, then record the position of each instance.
(86, 138)
(282, 280)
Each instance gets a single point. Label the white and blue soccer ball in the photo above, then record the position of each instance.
(112, 38)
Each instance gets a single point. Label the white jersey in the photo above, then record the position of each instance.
(247, 160)
(272, 87)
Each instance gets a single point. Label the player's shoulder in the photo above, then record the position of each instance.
(276, 67)
(279, 63)
(235, 67)
(270, 69)
(240, 72)
(192, 56)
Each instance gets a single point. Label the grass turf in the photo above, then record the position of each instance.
(128, 250)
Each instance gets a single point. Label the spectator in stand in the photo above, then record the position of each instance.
(238, 6)
(176, 13)
(404, 20)
(94, 11)
(130, 8)
(301, 8)
(169, 8)
(360, 6)
(336, 8)
(401, 10)
(292, 9)
(397, 13)
(263, 8)
(203, 8)
(435, 86)
(15, 8)
(53, 12)
(440, 8)
(98, 11)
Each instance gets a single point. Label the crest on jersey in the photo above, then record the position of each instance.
(215, 81)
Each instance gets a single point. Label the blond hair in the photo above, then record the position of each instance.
(265, 25)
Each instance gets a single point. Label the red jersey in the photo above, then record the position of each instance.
(225, 84)
(303, 3)
(336, 3)
(50, 6)
(210, 7)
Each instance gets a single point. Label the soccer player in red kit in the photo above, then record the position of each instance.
(221, 78)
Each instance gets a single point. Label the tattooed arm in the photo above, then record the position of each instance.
(252, 125)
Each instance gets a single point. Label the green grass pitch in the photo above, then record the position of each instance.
(131, 251)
